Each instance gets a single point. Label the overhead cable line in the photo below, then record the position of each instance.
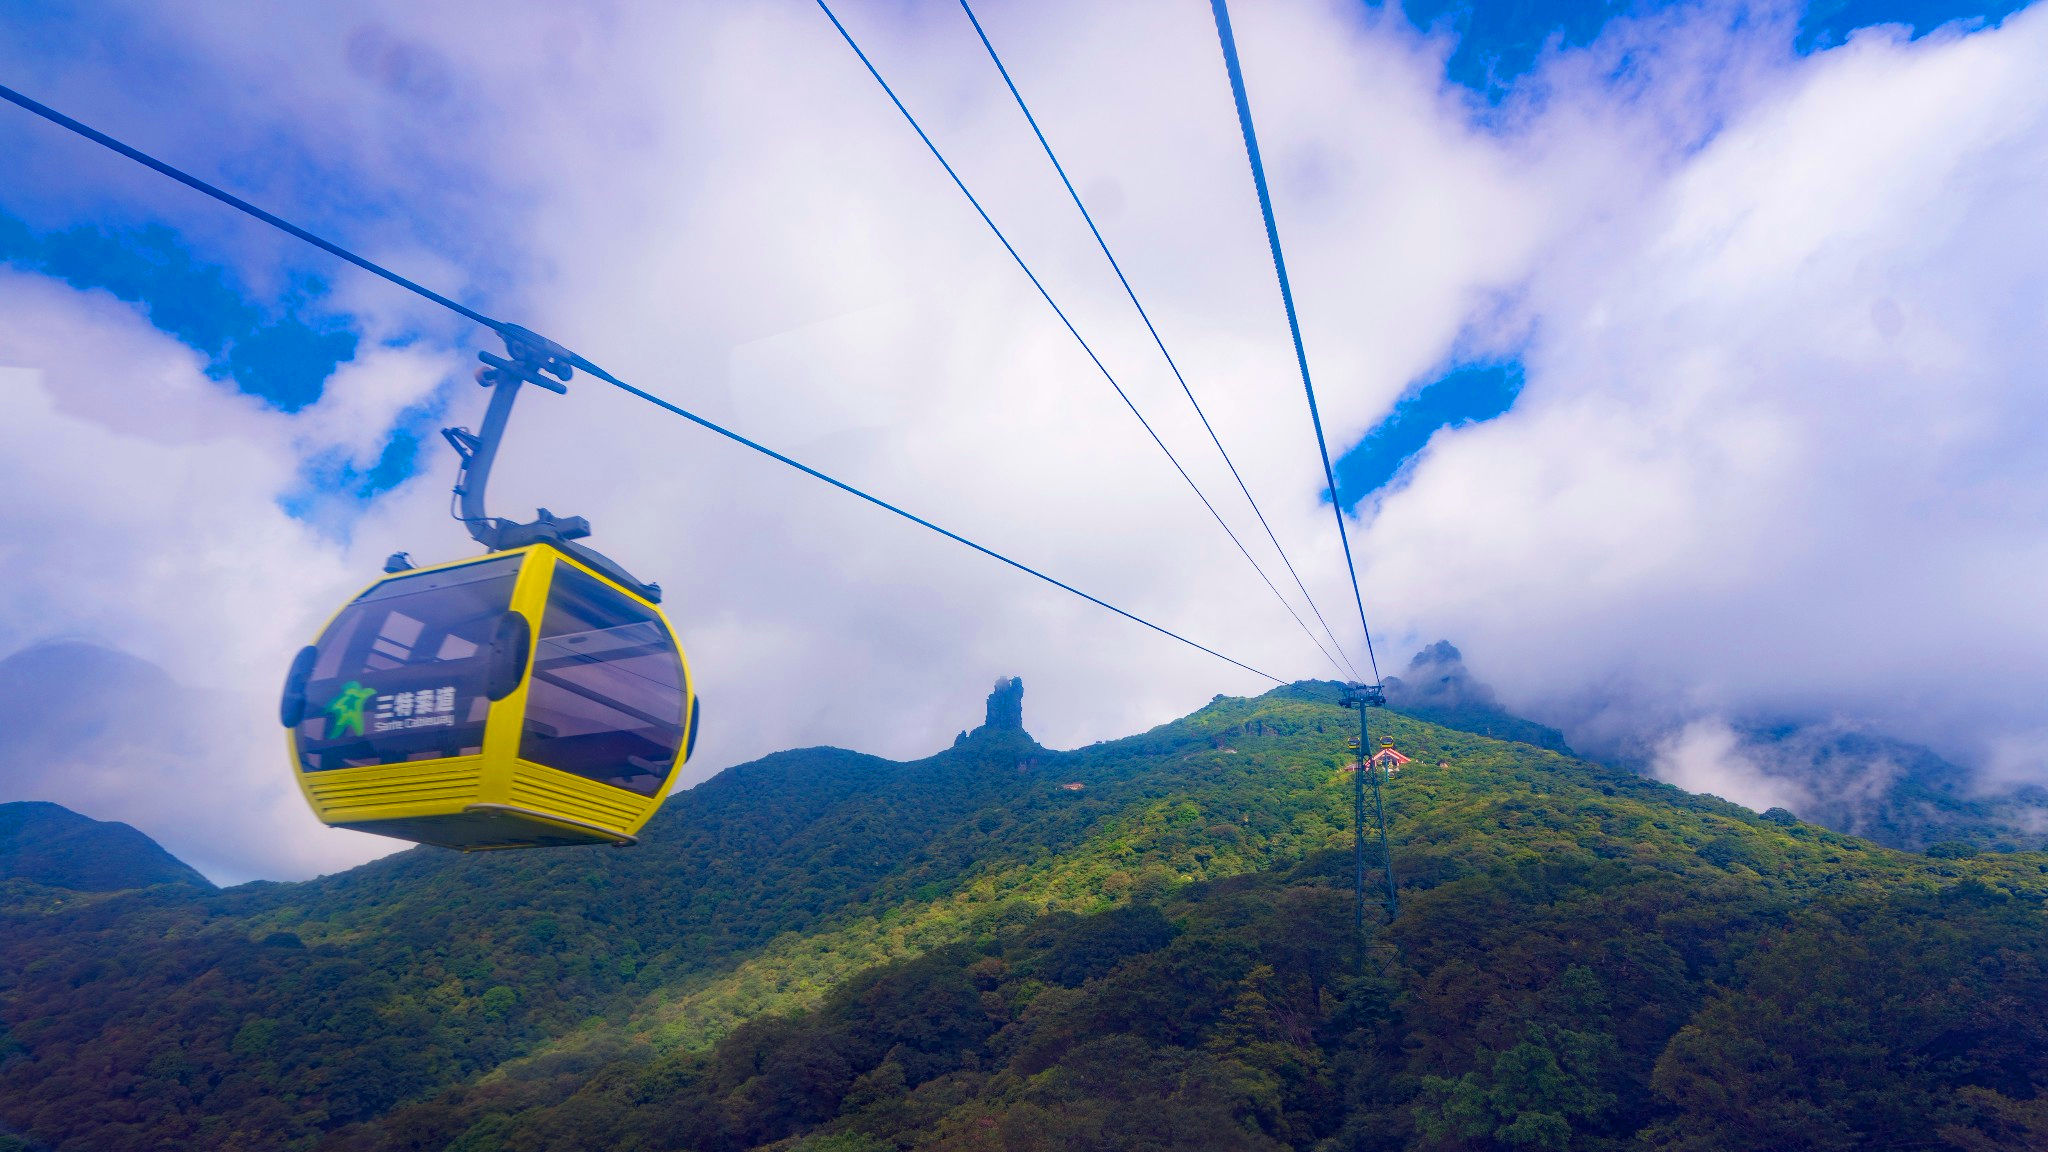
(1251, 147)
(502, 327)
(1071, 330)
(239, 204)
(1156, 338)
(1363, 697)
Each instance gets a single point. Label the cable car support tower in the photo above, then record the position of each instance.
(1365, 697)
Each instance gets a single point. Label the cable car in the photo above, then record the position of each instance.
(535, 696)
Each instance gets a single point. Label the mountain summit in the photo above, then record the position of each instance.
(1004, 721)
(1006, 706)
(1438, 688)
(51, 845)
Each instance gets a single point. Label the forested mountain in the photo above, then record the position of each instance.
(52, 846)
(1144, 943)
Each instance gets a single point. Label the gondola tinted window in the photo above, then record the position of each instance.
(400, 672)
(606, 701)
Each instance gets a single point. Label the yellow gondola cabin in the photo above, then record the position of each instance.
(518, 700)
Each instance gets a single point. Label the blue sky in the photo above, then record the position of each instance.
(1499, 41)
(280, 348)
(1466, 394)
(282, 345)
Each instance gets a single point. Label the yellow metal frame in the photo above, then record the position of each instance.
(495, 799)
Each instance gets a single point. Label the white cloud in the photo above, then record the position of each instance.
(1779, 448)
(143, 517)
(1707, 756)
(1776, 447)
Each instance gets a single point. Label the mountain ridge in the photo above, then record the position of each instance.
(378, 997)
(1621, 1035)
(52, 846)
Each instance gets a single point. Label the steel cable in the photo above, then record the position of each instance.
(1251, 147)
(501, 327)
(1157, 340)
(1071, 330)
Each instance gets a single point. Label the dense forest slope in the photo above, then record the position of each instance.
(50, 845)
(1140, 944)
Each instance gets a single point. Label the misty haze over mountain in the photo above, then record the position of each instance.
(1825, 771)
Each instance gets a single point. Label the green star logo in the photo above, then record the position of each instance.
(347, 709)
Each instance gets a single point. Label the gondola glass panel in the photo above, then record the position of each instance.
(400, 672)
(606, 702)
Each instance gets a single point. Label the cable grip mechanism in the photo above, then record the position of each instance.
(1365, 696)
(529, 359)
(532, 358)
